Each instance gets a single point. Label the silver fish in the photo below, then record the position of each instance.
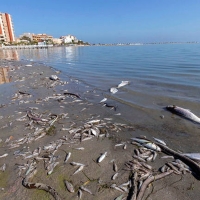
(159, 141)
(193, 156)
(80, 193)
(152, 146)
(4, 155)
(79, 169)
(114, 176)
(140, 140)
(183, 112)
(77, 164)
(69, 186)
(52, 167)
(101, 157)
(85, 189)
(67, 157)
(119, 197)
(113, 90)
(80, 148)
(3, 167)
(123, 83)
(103, 100)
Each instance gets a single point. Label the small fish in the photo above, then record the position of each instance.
(101, 157)
(113, 90)
(114, 176)
(160, 141)
(79, 169)
(77, 164)
(119, 197)
(123, 83)
(85, 189)
(117, 145)
(115, 168)
(67, 157)
(140, 140)
(103, 100)
(4, 155)
(183, 112)
(80, 194)
(80, 148)
(152, 146)
(95, 131)
(3, 167)
(52, 167)
(193, 156)
(53, 77)
(69, 186)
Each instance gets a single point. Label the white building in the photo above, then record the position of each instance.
(69, 39)
(57, 40)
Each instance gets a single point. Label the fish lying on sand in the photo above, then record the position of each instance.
(183, 112)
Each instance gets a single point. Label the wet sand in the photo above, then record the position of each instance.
(33, 81)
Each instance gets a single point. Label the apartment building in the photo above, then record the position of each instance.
(6, 28)
(42, 37)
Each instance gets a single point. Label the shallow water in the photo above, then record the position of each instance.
(159, 75)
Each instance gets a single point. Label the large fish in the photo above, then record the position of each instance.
(183, 112)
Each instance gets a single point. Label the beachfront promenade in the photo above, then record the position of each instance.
(27, 46)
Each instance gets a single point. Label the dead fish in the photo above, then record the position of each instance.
(53, 165)
(95, 131)
(67, 157)
(4, 155)
(152, 146)
(101, 157)
(77, 164)
(103, 100)
(80, 193)
(3, 167)
(69, 186)
(123, 83)
(114, 176)
(117, 145)
(115, 168)
(160, 141)
(53, 78)
(183, 113)
(85, 189)
(140, 140)
(119, 197)
(79, 169)
(80, 148)
(193, 156)
(113, 90)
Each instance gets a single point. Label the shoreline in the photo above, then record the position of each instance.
(32, 90)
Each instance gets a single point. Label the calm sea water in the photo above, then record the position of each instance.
(159, 75)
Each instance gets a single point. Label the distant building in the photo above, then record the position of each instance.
(6, 28)
(42, 37)
(29, 35)
(57, 41)
(69, 39)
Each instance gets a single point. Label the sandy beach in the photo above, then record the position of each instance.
(43, 120)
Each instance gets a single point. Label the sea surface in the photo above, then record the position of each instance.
(158, 75)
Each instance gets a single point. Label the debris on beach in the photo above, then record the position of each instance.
(55, 144)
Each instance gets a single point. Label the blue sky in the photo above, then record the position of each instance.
(108, 21)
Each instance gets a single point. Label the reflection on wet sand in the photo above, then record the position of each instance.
(9, 54)
(4, 75)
